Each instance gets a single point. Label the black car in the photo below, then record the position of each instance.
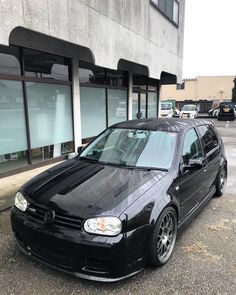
(226, 111)
(118, 206)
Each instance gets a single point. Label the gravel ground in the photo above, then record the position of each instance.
(204, 260)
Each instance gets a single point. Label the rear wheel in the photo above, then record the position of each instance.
(221, 181)
(163, 237)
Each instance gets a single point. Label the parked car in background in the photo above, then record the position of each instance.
(167, 109)
(176, 112)
(119, 204)
(213, 113)
(226, 111)
(189, 111)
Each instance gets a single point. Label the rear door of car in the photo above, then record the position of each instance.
(212, 152)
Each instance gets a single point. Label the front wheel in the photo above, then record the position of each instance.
(221, 181)
(163, 238)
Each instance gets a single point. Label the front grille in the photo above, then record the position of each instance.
(37, 212)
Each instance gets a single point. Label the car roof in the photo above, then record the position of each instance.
(162, 124)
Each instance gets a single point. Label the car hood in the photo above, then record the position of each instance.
(83, 189)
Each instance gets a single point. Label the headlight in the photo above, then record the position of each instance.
(20, 202)
(107, 226)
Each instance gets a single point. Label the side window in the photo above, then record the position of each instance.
(192, 146)
(208, 137)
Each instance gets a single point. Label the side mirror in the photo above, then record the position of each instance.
(193, 164)
(80, 149)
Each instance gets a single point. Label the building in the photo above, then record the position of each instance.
(70, 68)
(203, 90)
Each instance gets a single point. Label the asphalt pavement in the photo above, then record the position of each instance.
(204, 260)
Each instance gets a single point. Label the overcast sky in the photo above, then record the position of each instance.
(210, 38)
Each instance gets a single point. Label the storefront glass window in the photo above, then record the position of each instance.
(93, 111)
(134, 106)
(50, 119)
(44, 65)
(152, 105)
(9, 60)
(117, 78)
(91, 74)
(13, 140)
(117, 106)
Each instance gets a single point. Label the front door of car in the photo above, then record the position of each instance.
(192, 181)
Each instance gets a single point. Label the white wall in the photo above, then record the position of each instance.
(113, 29)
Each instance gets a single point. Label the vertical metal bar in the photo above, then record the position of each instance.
(71, 78)
(26, 107)
(106, 105)
(158, 98)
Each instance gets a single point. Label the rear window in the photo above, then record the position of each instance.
(208, 137)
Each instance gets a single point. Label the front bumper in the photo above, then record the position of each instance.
(87, 256)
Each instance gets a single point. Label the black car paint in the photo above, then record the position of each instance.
(80, 189)
(226, 115)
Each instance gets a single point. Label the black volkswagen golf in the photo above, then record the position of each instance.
(119, 204)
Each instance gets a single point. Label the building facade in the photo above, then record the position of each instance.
(71, 68)
(208, 90)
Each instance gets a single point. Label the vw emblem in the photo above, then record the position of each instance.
(49, 217)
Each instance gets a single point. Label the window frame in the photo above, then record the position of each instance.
(165, 15)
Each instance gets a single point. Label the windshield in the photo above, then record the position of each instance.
(189, 108)
(166, 106)
(132, 148)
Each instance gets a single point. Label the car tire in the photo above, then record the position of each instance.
(163, 237)
(221, 181)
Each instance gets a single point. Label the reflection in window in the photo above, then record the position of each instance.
(50, 118)
(117, 78)
(13, 141)
(93, 111)
(89, 73)
(192, 147)
(129, 147)
(169, 7)
(44, 65)
(209, 138)
(117, 106)
(9, 60)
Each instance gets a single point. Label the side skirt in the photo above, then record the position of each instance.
(198, 208)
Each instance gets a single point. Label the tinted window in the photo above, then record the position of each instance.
(44, 65)
(117, 78)
(88, 73)
(192, 147)
(209, 139)
(9, 60)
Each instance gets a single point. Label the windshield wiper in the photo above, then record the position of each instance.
(88, 159)
(144, 168)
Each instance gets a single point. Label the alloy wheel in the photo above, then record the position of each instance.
(166, 237)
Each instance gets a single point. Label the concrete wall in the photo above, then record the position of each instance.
(133, 30)
(203, 87)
